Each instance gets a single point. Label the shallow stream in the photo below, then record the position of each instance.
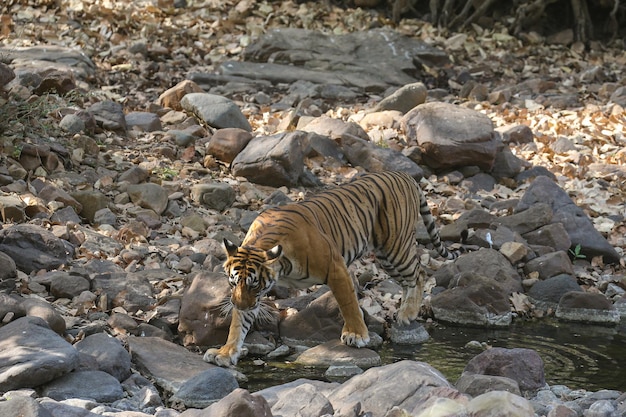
(576, 355)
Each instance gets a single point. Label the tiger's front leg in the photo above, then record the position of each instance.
(228, 355)
(354, 332)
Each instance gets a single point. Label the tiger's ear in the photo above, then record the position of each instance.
(230, 247)
(274, 253)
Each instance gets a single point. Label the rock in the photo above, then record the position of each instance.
(12, 209)
(519, 134)
(68, 286)
(524, 366)
(149, 195)
(206, 387)
(412, 334)
(529, 219)
(486, 262)
(376, 159)
(494, 237)
(550, 264)
(214, 110)
(587, 307)
(201, 320)
(49, 192)
(305, 52)
(10, 307)
(477, 300)
(66, 216)
(109, 354)
(506, 164)
(171, 97)
(97, 386)
(68, 410)
(389, 119)
(132, 291)
(514, 251)
(143, 121)
(319, 322)
(167, 364)
(451, 136)
(6, 74)
(553, 235)
(91, 201)
(225, 144)
(216, 196)
(33, 248)
(31, 354)
(72, 123)
(336, 353)
(109, 115)
(134, 175)
(479, 182)
(334, 128)
(47, 56)
(500, 404)
(8, 274)
(477, 384)
(275, 160)
(404, 98)
(238, 403)
(55, 81)
(290, 402)
(573, 218)
(406, 384)
(35, 307)
(142, 395)
(550, 290)
(23, 406)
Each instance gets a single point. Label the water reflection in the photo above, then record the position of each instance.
(579, 356)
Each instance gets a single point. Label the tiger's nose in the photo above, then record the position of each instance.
(242, 297)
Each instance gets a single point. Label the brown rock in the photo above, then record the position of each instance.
(171, 98)
(226, 143)
(451, 136)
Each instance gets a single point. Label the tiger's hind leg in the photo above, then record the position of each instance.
(411, 299)
(404, 268)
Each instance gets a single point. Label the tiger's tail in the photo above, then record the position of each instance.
(433, 231)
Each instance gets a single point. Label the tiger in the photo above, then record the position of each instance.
(314, 241)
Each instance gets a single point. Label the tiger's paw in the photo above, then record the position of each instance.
(353, 339)
(224, 357)
(406, 314)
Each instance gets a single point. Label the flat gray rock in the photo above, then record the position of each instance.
(90, 385)
(215, 110)
(33, 247)
(31, 354)
(169, 365)
(289, 54)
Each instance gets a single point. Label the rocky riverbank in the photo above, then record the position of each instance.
(121, 172)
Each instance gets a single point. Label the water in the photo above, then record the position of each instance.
(576, 355)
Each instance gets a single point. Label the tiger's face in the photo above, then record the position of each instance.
(250, 272)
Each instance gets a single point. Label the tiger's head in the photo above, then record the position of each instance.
(251, 273)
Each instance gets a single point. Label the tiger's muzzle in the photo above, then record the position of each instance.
(243, 298)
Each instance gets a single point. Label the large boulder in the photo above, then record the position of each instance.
(573, 218)
(33, 247)
(275, 160)
(522, 365)
(451, 136)
(31, 354)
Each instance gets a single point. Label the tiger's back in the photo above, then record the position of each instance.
(375, 212)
